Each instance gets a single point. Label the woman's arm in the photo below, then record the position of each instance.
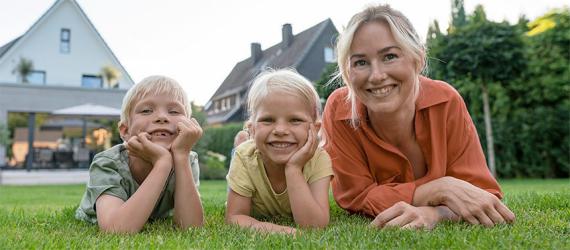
(238, 212)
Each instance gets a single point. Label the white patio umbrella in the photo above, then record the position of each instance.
(88, 110)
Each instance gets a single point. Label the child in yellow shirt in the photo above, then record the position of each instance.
(280, 171)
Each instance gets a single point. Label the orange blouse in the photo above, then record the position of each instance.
(372, 175)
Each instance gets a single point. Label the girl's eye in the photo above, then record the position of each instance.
(174, 112)
(390, 57)
(265, 121)
(296, 121)
(146, 111)
(359, 63)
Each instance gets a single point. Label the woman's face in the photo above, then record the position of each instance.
(381, 74)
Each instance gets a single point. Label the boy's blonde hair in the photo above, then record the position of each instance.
(285, 80)
(403, 32)
(152, 85)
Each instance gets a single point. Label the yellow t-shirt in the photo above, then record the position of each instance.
(248, 178)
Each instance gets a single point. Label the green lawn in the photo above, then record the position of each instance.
(42, 217)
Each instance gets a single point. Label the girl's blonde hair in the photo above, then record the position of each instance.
(153, 85)
(285, 80)
(403, 32)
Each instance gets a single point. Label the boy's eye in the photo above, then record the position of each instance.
(265, 120)
(390, 57)
(174, 112)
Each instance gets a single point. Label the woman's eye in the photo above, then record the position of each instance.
(359, 63)
(390, 57)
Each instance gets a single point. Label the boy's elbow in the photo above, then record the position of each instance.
(118, 230)
(319, 223)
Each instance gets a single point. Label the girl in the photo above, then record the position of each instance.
(280, 171)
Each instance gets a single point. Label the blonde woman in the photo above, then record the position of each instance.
(404, 148)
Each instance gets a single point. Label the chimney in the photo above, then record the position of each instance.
(287, 32)
(255, 52)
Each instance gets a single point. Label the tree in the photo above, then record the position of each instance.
(328, 82)
(110, 75)
(23, 69)
(487, 54)
(458, 18)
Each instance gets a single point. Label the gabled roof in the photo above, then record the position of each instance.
(274, 57)
(4, 50)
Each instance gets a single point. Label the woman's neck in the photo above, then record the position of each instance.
(395, 128)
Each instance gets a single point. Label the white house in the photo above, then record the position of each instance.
(68, 55)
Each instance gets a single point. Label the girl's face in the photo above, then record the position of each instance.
(281, 127)
(381, 74)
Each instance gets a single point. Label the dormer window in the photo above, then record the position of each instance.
(65, 41)
(329, 55)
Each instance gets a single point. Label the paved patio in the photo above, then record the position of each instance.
(41, 177)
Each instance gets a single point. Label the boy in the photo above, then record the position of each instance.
(154, 170)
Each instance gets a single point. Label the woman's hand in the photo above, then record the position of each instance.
(140, 146)
(473, 204)
(404, 215)
(189, 132)
(306, 152)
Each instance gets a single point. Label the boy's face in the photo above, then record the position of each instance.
(158, 115)
(281, 127)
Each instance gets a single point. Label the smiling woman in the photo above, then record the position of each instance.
(404, 148)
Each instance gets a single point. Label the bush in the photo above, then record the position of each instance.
(213, 169)
(220, 140)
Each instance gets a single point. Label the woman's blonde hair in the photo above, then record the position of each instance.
(153, 85)
(403, 32)
(285, 80)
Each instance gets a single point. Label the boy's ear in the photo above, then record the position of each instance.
(124, 131)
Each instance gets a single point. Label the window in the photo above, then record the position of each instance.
(37, 77)
(91, 81)
(65, 41)
(330, 57)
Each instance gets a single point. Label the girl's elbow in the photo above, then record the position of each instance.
(118, 230)
(317, 224)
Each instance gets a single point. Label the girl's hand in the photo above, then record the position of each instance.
(404, 215)
(306, 152)
(473, 204)
(140, 146)
(189, 132)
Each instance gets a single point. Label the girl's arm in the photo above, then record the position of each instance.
(309, 204)
(238, 212)
(187, 206)
(116, 215)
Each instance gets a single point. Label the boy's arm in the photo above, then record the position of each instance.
(238, 212)
(187, 206)
(116, 215)
(310, 205)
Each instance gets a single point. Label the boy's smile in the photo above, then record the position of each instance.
(158, 115)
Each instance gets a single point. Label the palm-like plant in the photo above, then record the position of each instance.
(110, 75)
(24, 68)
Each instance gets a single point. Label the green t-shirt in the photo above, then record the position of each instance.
(248, 178)
(109, 174)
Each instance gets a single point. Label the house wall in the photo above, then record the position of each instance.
(314, 63)
(31, 98)
(41, 44)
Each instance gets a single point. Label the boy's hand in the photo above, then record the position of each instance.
(189, 132)
(306, 152)
(141, 147)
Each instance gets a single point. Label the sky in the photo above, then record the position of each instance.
(199, 42)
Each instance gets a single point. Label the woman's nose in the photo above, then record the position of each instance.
(377, 74)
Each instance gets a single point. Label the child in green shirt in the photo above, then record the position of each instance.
(154, 171)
